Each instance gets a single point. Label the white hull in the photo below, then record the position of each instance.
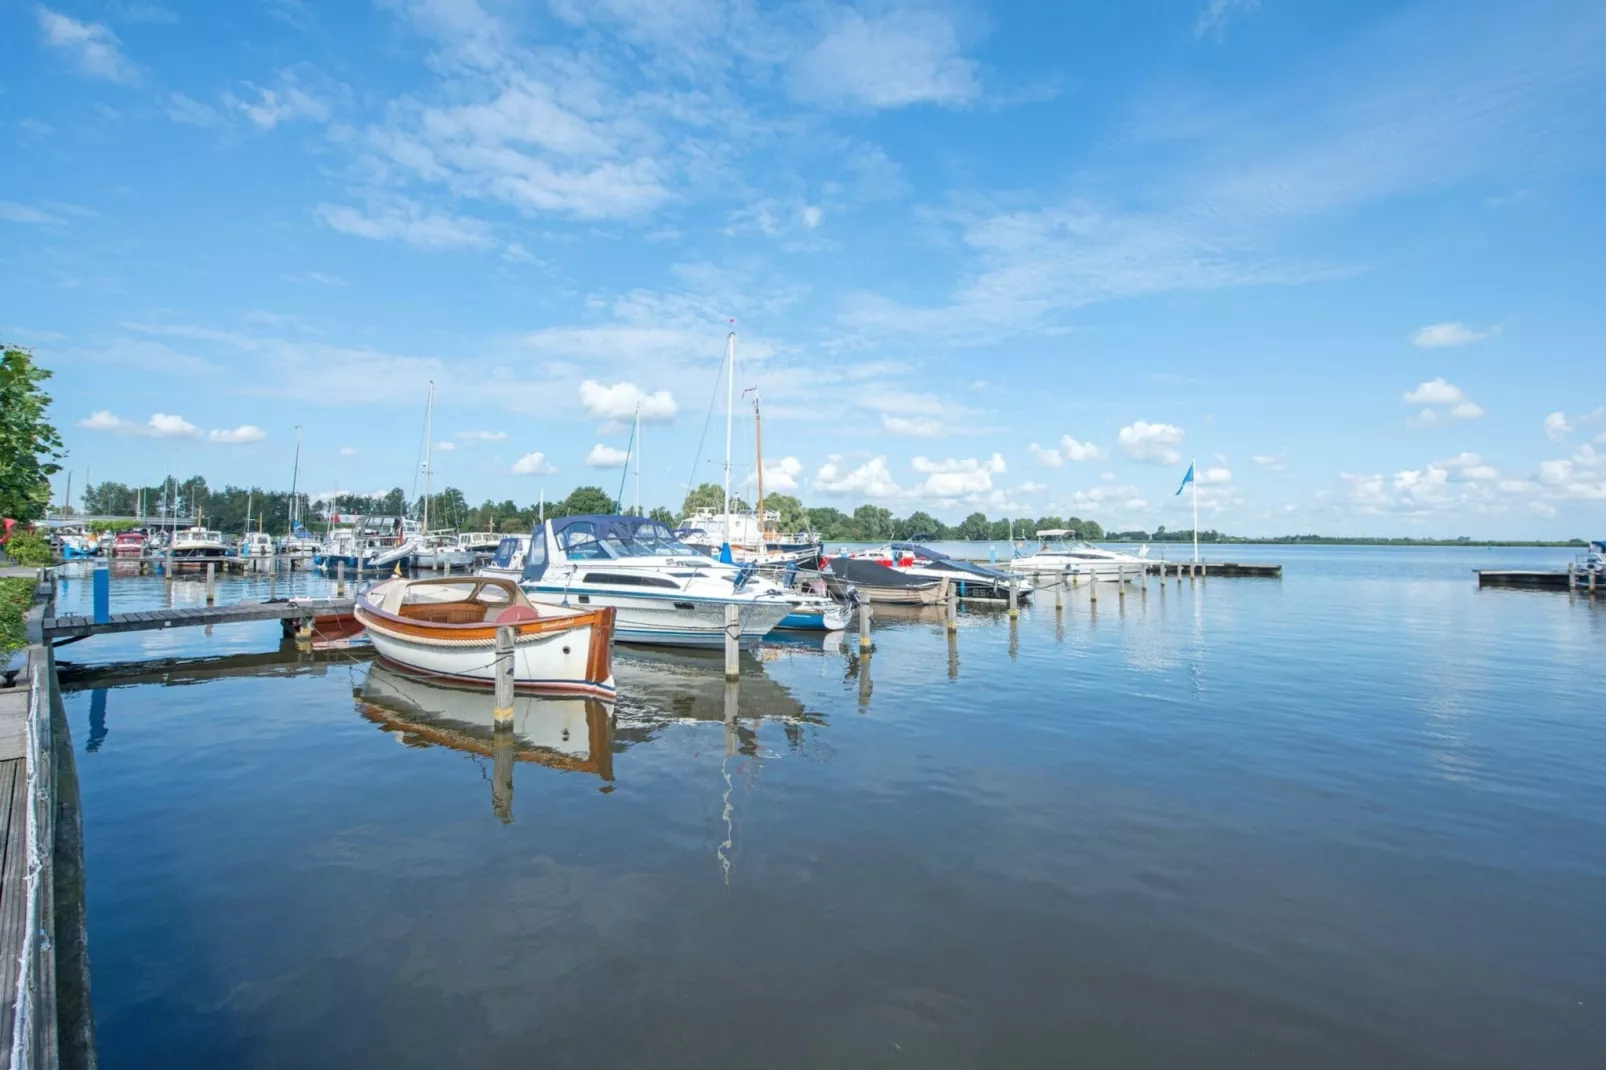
(555, 662)
(668, 620)
(1049, 569)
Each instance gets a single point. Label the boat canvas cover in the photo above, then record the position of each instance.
(951, 563)
(873, 574)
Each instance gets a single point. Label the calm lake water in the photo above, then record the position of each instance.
(1355, 817)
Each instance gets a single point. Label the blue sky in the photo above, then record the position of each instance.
(1021, 258)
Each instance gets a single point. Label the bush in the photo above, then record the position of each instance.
(29, 546)
(15, 598)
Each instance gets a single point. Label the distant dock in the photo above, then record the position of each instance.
(1580, 581)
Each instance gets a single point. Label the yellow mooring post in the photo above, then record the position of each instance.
(502, 715)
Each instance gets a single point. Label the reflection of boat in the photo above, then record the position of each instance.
(1064, 554)
(879, 584)
(573, 734)
(662, 684)
(448, 627)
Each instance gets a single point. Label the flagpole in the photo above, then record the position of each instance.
(1194, 470)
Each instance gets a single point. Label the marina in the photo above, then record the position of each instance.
(746, 804)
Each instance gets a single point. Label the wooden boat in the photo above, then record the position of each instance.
(447, 627)
(876, 583)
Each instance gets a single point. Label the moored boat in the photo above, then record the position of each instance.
(874, 582)
(129, 544)
(1064, 554)
(446, 628)
(974, 581)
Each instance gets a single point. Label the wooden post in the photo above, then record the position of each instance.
(1059, 597)
(864, 626)
(1193, 573)
(1093, 589)
(953, 655)
(953, 606)
(211, 582)
(1014, 598)
(340, 578)
(1204, 570)
(1120, 581)
(502, 715)
(1572, 576)
(273, 580)
(733, 641)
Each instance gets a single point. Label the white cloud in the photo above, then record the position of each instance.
(901, 58)
(914, 426)
(782, 474)
(400, 219)
(1082, 451)
(446, 446)
(621, 401)
(1468, 467)
(241, 434)
(1046, 457)
(160, 425)
(812, 215)
(957, 478)
(1212, 20)
(12, 212)
(483, 436)
(288, 102)
(1443, 335)
(1452, 404)
(348, 451)
(870, 479)
(1270, 464)
(164, 425)
(1208, 476)
(1556, 425)
(191, 112)
(94, 47)
(532, 464)
(1151, 443)
(605, 457)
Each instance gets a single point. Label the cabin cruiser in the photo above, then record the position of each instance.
(443, 549)
(1064, 553)
(973, 580)
(129, 544)
(256, 544)
(508, 560)
(300, 543)
(198, 542)
(665, 592)
(482, 544)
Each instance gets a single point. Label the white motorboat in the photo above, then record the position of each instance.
(256, 544)
(443, 549)
(1064, 554)
(480, 543)
(198, 542)
(447, 627)
(665, 592)
(508, 561)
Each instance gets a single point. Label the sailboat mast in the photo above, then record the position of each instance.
(295, 473)
(638, 458)
(429, 431)
(250, 496)
(758, 435)
(730, 403)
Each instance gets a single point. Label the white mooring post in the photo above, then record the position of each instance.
(273, 579)
(1572, 576)
(1120, 577)
(1059, 596)
(1014, 598)
(211, 582)
(953, 606)
(1093, 588)
(864, 626)
(340, 579)
(733, 644)
(503, 713)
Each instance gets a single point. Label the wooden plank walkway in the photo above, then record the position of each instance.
(13, 890)
(77, 627)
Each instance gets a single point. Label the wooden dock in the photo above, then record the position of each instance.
(1581, 581)
(292, 611)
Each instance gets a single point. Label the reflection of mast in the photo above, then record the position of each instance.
(732, 740)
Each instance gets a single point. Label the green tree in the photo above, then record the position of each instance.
(662, 515)
(792, 516)
(587, 500)
(871, 522)
(975, 526)
(706, 496)
(919, 525)
(829, 523)
(109, 499)
(29, 445)
(1091, 530)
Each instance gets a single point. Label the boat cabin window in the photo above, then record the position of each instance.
(535, 558)
(627, 580)
(506, 551)
(579, 542)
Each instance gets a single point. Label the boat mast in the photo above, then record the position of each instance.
(429, 430)
(758, 435)
(730, 405)
(295, 474)
(638, 458)
(250, 496)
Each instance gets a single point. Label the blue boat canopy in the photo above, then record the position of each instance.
(601, 537)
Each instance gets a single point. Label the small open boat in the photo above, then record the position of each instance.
(447, 628)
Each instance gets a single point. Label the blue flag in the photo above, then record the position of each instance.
(1185, 481)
